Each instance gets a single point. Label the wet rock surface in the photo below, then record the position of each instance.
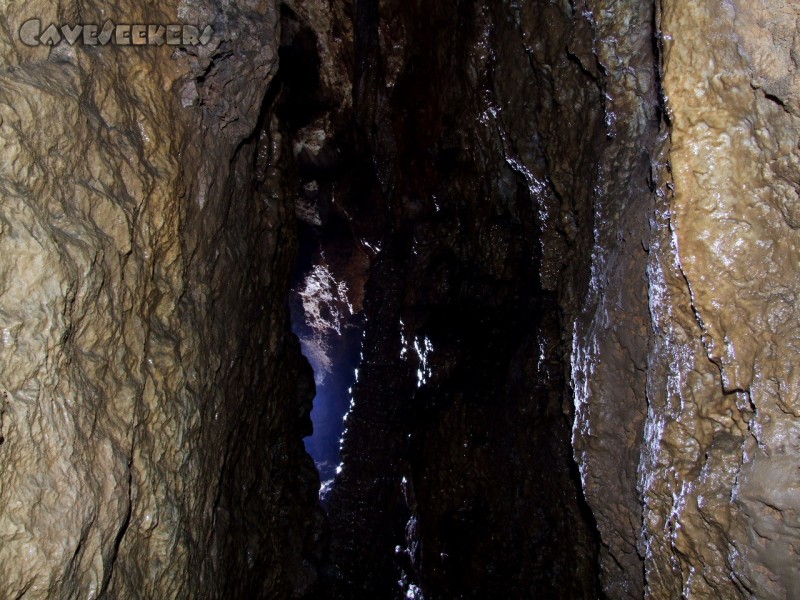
(720, 479)
(568, 231)
(622, 153)
(457, 477)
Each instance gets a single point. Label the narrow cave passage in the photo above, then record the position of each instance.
(543, 254)
(329, 328)
(324, 301)
(436, 243)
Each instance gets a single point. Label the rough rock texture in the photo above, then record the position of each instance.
(713, 511)
(651, 150)
(611, 329)
(153, 399)
(720, 479)
(568, 228)
(456, 458)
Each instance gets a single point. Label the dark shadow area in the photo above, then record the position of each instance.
(457, 477)
(425, 302)
(301, 100)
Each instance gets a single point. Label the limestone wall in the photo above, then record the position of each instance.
(153, 400)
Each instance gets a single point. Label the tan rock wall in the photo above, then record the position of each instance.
(151, 401)
(717, 451)
(720, 481)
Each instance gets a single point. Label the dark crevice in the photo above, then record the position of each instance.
(452, 402)
(445, 232)
(775, 99)
(301, 101)
(330, 268)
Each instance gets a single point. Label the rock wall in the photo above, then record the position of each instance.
(654, 142)
(153, 399)
(569, 229)
(712, 512)
(719, 479)
(457, 476)
(607, 326)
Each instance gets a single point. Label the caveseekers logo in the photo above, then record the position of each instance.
(32, 34)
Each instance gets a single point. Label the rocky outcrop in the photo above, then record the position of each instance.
(715, 489)
(608, 319)
(153, 399)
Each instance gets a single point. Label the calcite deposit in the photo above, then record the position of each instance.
(568, 230)
(720, 482)
(716, 453)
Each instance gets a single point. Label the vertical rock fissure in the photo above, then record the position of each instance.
(325, 299)
(330, 330)
(457, 451)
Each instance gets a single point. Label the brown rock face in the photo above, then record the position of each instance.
(153, 400)
(720, 477)
(715, 491)
(568, 230)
